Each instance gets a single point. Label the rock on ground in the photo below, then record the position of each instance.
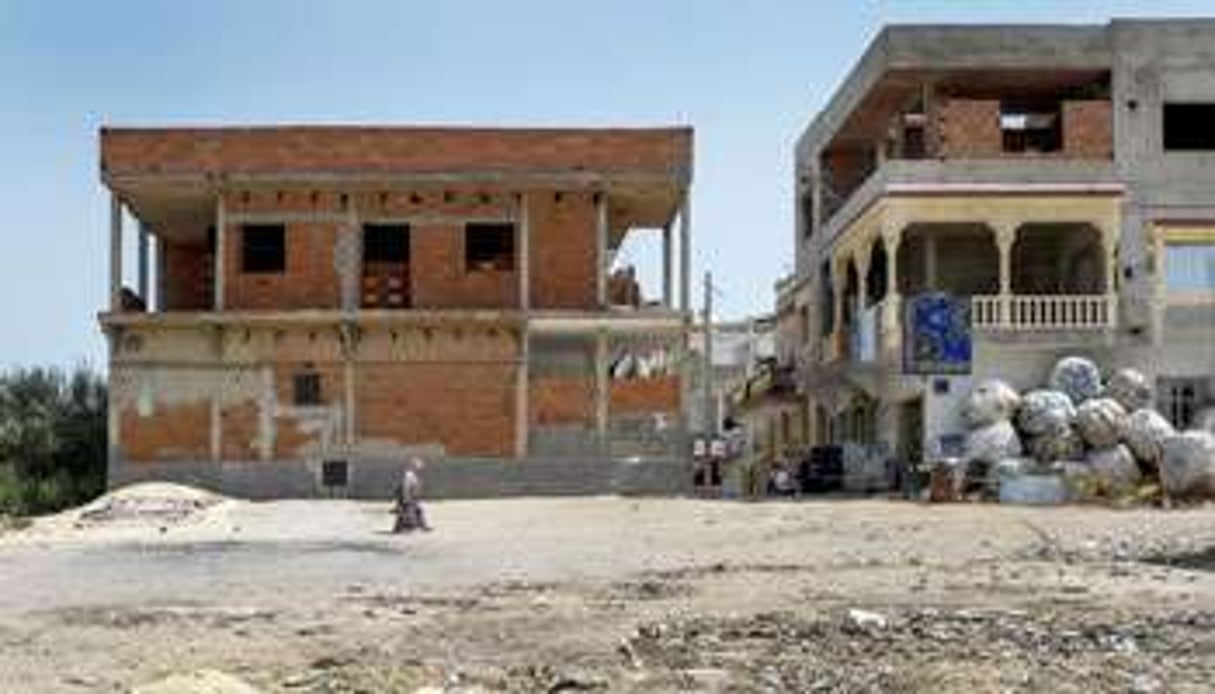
(993, 443)
(1044, 411)
(1078, 377)
(1101, 422)
(1187, 468)
(1145, 433)
(991, 401)
(1131, 388)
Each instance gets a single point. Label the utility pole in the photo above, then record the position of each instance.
(710, 401)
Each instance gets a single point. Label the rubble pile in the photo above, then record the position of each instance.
(1086, 437)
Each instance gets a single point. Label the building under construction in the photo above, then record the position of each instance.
(304, 307)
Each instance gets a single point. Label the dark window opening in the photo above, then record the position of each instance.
(807, 214)
(1189, 127)
(335, 473)
(489, 246)
(307, 388)
(385, 243)
(264, 248)
(1028, 128)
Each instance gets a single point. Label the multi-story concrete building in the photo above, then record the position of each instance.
(976, 201)
(310, 305)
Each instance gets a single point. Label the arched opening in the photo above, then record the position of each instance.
(1065, 258)
(875, 280)
(961, 259)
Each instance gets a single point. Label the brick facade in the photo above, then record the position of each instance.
(970, 129)
(425, 372)
(1088, 129)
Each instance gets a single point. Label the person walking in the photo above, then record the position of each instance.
(409, 513)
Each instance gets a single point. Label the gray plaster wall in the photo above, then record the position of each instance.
(444, 478)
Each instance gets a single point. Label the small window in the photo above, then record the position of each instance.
(1031, 127)
(307, 388)
(1188, 127)
(264, 248)
(1189, 267)
(489, 247)
(385, 243)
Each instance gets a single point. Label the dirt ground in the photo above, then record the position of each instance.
(609, 594)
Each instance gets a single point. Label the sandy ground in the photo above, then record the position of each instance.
(610, 594)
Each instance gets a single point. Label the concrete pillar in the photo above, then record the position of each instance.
(348, 261)
(145, 237)
(839, 280)
(161, 277)
(221, 234)
(602, 384)
(1006, 237)
(1109, 244)
(349, 339)
(115, 253)
(892, 307)
(930, 261)
(522, 394)
(668, 263)
(685, 252)
(601, 249)
(523, 231)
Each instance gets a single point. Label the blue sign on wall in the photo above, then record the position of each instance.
(936, 334)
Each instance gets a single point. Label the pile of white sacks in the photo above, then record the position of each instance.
(1100, 436)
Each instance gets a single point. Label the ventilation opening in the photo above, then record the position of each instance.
(489, 247)
(263, 248)
(1187, 127)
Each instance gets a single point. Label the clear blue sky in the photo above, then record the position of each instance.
(748, 75)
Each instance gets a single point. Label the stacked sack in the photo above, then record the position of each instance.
(1102, 436)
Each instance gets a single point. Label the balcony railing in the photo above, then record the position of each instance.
(1043, 312)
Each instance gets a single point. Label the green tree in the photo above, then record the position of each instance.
(52, 438)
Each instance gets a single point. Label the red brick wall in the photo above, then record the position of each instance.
(404, 149)
(970, 129)
(1088, 129)
(170, 432)
(469, 408)
(239, 431)
(642, 395)
(439, 278)
(310, 279)
(563, 249)
(188, 271)
(561, 400)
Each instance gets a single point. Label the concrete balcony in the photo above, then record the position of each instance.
(993, 176)
(1016, 312)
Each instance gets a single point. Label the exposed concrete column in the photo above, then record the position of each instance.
(1109, 243)
(218, 377)
(115, 253)
(839, 281)
(221, 234)
(522, 393)
(892, 238)
(601, 248)
(685, 252)
(524, 232)
(145, 237)
(930, 261)
(668, 265)
(349, 340)
(861, 260)
(601, 384)
(161, 279)
(348, 261)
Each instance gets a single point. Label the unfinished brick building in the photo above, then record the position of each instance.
(976, 202)
(313, 304)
